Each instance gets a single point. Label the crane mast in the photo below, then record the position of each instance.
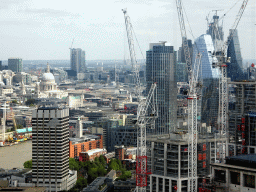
(221, 60)
(143, 119)
(194, 90)
(135, 65)
(184, 38)
(143, 116)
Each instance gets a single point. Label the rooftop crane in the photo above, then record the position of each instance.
(219, 60)
(194, 94)
(135, 65)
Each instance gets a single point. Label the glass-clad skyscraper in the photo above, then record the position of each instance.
(210, 78)
(161, 68)
(235, 67)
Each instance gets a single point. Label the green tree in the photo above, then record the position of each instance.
(14, 101)
(113, 165)
(102, 160)
(30, 101)
(28, 164)
(19, 126)
(96, 159)
(102, 171)
(73, 164)
(92, 174)
(81, 183)
(125, 175)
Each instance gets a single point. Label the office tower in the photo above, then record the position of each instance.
(50, 149)
(15, 64)
(210, 77)
(235, 67)
(161, 68)
(77, 60)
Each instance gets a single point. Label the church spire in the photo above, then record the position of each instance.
(48, 68)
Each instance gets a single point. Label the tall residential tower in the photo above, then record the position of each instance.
(161, 68)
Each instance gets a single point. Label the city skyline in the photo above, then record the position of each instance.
(45, 27)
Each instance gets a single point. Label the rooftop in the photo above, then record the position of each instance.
(85, 138)
(91, 152)
(248, 160)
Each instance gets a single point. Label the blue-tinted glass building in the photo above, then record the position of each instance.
(161, 68)
(235, 68)
(210, 78)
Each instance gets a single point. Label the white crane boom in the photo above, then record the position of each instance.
(184, 38)
(142, 120)
(135, 65)
(194, 89)
(221, 56)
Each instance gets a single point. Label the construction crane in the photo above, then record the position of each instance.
(184, 38)
(219, 60)
(72, 43)
(194, 96)
(144, 118)
(134, 63)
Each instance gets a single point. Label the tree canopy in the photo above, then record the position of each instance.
(28, 164)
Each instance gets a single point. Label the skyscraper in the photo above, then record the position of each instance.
(161, 68)
(77, 60)
(210, 77)
(15, 64)
(50, 149)
(235, 67)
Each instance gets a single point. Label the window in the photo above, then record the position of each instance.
(235, 178)
(220, 176)
(249, 181)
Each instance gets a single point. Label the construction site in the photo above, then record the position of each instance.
(174, 158)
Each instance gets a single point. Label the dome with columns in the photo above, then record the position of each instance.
(48, 81)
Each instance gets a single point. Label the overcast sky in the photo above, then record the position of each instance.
(36, 29)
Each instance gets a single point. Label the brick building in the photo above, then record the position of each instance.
(119, 152)
(90, 155)
(84, 144)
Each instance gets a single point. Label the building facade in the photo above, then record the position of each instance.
(167, 158)
(210, 79)
(161, 68)
(237, 174)
(77, 60)
(15, 64)
(235, 67)
(50, 149)
(83, 144)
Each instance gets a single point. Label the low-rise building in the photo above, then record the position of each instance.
(84, 144)
(102, 184)
(109, 156)
(90, 155)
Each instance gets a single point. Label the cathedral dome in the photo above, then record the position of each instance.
(48, 77)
